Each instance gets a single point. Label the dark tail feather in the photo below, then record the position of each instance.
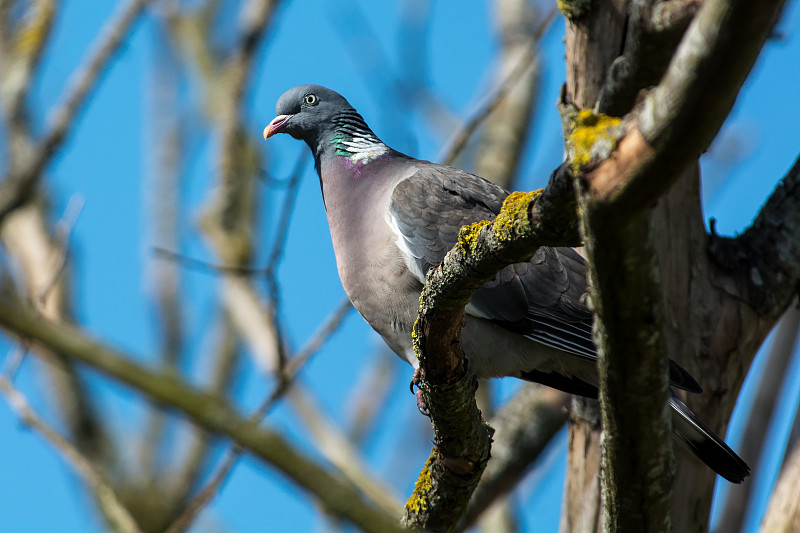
(682, 379)
(705, 444)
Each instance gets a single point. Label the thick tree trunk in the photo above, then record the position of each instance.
(593, 41)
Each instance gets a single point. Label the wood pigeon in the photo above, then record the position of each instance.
(393, 217)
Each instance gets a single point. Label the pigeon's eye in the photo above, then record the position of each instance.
(310, 99)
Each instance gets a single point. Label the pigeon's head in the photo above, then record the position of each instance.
(304, 111)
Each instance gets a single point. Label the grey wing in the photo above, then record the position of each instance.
(552, 300)
(429, 208)
(544, 299)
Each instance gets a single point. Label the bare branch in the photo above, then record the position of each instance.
(676, 121)
(462, 441)
(285, 216)
(636, 460)
(504, 135)
(206, 410)
(118, 516)
(783, 513)
(493, 100)
(63, 231)
(765, 259)
(654, 31)
(319, 337)
(337, 448)
(203, 266)
(762, 412)
(21, 184)
(192, 509)
(523, 427)
(369, 397)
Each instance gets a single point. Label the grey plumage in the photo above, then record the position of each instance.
(392, 218)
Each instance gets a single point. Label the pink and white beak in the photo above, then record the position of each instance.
(276, 125)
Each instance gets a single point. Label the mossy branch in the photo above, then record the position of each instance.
(657, 143)
(525, 222)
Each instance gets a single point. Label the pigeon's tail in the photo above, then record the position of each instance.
(705, 444)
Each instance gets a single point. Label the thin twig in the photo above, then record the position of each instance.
(369, 397)
(21, 184)
(201, 499)
(63, 231)
(116, 513)
(207, 410)
(482, 111)
(204, 266)
(286, 213)
(381, 68)
(287, 379)
(296, 363)
(14, 359)
(337, 448)
(290, 371)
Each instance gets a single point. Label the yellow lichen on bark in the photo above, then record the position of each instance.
(591, 135)
(36, 27)
(418, 501)
(468, 236)
(415, 333)
(574, 9)
(514, 214)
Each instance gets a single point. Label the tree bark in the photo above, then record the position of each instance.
(593, 42)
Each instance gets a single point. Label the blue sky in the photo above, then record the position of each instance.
(106, 162)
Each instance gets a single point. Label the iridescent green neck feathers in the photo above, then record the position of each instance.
(354, 140)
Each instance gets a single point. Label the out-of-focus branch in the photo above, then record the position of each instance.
(762, 412)
(21, 47)
(206, 410)
(505, 131)
(794, 434)
(63, 230)
(228, 215)
(525, 56)
(320, 336)
(119, 519)
(188, 475)
(192, 509)
(21, 183)
(783, 513)
(228, 219)
(368, 400)
(162, 179)
(40, 258)
(184, 481)
(338, 449)
(282, 230)
(523, 428)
